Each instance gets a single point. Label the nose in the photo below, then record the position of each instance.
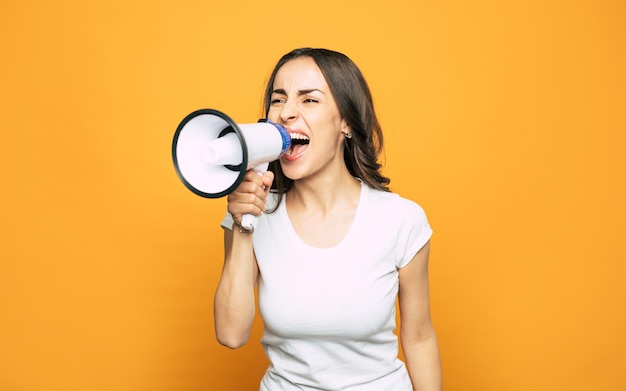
(288, 112)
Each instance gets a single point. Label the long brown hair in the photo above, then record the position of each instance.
(356, 107)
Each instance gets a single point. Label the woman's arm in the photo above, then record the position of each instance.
(234, 304)
(417, 334)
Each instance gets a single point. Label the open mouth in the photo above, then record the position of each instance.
(299, 143)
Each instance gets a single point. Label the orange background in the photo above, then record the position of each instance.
(505, 120)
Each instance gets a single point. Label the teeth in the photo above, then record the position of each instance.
(298, 136)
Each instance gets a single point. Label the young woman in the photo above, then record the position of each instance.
(333, 248)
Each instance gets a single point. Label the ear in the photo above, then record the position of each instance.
(345, 129)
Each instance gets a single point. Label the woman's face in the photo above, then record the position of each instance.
(303, 103)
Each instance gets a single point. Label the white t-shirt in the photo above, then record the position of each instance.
(329, 313)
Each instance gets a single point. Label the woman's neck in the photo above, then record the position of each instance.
(324, 194)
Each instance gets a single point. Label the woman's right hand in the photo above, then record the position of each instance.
(251, 195)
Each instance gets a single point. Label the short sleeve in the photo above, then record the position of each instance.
(228, 221)
(414, 234)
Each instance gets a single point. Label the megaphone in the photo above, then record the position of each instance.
(212, 153)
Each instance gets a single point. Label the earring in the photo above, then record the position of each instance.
(348, 135)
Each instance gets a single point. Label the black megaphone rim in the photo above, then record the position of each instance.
(232, 127)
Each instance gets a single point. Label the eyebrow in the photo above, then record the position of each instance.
(300, 92)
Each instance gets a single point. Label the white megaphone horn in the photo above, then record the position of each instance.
(212, 153)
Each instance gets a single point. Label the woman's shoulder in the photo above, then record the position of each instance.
(394, 201)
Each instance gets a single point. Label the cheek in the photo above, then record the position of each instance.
(272, 115)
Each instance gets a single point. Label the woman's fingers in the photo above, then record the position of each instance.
(250, 196)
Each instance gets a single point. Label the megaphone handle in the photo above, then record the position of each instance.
(248, 221)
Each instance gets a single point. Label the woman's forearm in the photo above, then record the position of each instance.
(423, 363)
(234, 304)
